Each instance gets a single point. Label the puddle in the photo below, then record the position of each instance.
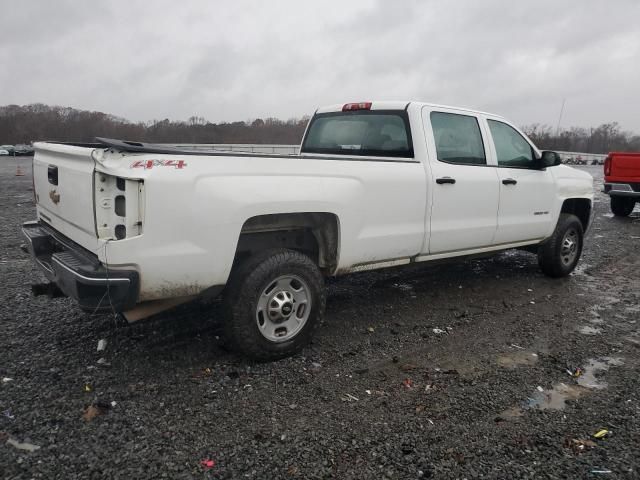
(588, 378)
(516, 359)
(556, 397)
(589, 330)
(511, 414)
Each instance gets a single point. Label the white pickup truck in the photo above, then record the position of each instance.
(135, 228)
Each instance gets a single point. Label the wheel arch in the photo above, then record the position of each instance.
(580, 207)
(316, 234)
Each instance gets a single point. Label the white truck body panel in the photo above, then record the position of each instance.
(188, 246)
(189, 209)
(68, 206)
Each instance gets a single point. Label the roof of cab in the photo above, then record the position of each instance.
(374, 106)
(400, 105)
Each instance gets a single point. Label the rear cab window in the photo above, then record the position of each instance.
(376, 133)
(458, 139)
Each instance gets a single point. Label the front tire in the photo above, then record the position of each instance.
(559, 255)
(275, 301)
(622, 206)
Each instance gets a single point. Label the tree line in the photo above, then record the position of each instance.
(28, 123)
(608, 137)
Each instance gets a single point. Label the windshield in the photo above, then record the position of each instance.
(365, 132)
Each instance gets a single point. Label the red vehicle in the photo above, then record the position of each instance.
(622, 181)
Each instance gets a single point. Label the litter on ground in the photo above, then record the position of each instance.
(579, 445)
(94, 410)
(601, 433)
(26, 446)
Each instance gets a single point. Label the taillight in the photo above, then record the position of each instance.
(607, 166)
(119, 206)
(347, 107)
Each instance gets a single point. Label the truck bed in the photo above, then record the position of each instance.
(198, 149)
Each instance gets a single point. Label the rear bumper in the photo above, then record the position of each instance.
(78, 273)
(616, 189)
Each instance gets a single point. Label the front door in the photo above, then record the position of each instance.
(526, 191)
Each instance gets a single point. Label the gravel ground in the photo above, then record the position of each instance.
(427, 372)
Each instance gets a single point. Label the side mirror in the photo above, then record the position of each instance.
(550, 159)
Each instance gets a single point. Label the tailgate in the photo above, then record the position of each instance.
(625, 167)
(63, 182)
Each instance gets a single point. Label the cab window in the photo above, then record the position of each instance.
(511, 147)
(365, 132)
(458, 139)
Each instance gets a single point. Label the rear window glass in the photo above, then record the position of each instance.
(372, 133)
(458, 139)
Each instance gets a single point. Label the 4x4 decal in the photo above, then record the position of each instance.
(147, 164)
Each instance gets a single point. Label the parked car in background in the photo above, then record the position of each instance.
(132, 227)
(4, 152)
(23, 150)
(9, 148)
(622, 181)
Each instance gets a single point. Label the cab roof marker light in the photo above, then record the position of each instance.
(348, 107)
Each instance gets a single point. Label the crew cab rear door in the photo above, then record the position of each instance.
(464, 187)
(63, 182)
(527, 192)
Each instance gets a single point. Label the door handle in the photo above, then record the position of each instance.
(509, 181)
(442, 180)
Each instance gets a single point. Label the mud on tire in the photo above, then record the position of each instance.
(559, 254)
(274, 302)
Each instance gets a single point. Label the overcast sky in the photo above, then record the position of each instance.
(239, 60)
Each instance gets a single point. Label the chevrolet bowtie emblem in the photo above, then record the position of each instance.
(54, 196)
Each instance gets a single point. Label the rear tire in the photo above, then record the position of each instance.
(622, 206)
(559, 254)
(275, 301)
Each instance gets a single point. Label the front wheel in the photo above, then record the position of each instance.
(559, 254)
(622, 206)
(275, 301)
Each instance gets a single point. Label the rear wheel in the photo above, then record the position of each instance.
(275, 301)
(559, 255)
(622, 206)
